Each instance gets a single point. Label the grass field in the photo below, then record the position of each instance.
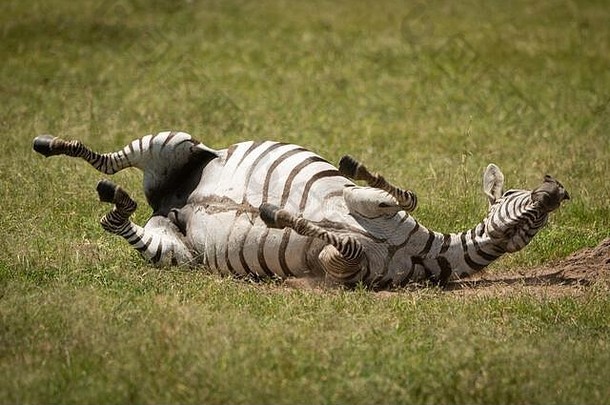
(428, 94)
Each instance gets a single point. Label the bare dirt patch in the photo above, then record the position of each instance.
(572, 275)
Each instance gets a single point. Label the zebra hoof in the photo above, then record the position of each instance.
(268, 214)
(106, 190)
(42, 145)
(348, 166)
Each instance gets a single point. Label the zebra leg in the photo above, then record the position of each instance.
(161, 153)
(342, 258)
(350, 167)
(109, 163)
(172, 163)
(159, 241)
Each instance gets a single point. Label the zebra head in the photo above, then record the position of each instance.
(515, 216)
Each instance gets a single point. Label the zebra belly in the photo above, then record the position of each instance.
(238, 243)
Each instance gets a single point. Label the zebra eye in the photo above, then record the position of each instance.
(383, 205)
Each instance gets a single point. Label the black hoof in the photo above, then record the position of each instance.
(106, 190)
(348, 166)
(268, 212)
(42, 145)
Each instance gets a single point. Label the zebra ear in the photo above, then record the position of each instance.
(493, 183)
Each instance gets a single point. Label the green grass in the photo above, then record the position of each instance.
(426, 94)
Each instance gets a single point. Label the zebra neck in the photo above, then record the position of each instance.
(471, 251)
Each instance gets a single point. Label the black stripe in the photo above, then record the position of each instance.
(131, 149)
(333, 194)
(529, 216)
(181, 142)
(414, 261)
(507, 206)
(261, 254)
(229, 265)
(95, 159)
(404, 218)
(498, 250)
(242, 258)
(247, 152)
(215, 255)
(487, 256)
(351, 249)
(150, 144)
(145, 246)
(481, 228)
(157, 255)
(445, 267)
(463, 240)
(472, 264)
(479, 251)
(318, 176)
(127, 158)
(227, 244)
(276, 163)
(307, 248)
(502, 217)
(168, 138)
(429, 242)
(282, 253)
(129, 233)
(293, 174)
(113, 162)
(446, 243)
(413, 231)
(254, 165)
(114, 219)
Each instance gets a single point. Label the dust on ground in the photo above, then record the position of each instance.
(575, 274)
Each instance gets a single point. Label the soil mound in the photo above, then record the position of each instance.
(590, 264)
(585, 267)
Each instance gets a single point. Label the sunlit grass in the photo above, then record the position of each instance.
(426, 94)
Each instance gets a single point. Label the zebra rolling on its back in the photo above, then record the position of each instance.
(268, 209)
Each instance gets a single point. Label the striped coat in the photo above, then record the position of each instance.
(268, 209)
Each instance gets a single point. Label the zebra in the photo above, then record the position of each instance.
(266, 209)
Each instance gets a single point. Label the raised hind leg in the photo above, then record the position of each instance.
(108, 163)
(160, 241)
(172, 163)
(343, 258)
(154, 153)
(350, 167)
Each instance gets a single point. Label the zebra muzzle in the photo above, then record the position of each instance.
(550, 194)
